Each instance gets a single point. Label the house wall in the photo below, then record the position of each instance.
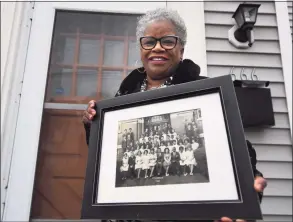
(15, 29)
(290, 12)
(273, 144)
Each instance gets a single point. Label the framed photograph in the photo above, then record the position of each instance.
(176, 153)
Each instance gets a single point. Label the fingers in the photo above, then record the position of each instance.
(226, 219)
(90, 112)
(260, 184)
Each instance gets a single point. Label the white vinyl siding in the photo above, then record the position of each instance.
(290, 12)
(273, 144)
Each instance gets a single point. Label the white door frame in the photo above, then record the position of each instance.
(285, 41)
(26, 140)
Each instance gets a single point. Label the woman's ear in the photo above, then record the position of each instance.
(181, 53)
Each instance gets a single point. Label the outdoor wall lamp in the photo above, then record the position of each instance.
(241, 34)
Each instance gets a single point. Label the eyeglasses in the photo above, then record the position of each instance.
(167, 42)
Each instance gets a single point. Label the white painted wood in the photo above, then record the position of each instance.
(286, 51)
(239, 59)
(278, 218)
(193, 15)
(275, 170)
(260, 33)
(268, 136)
(224, 6)
(277, 205)
(282, 120)
(277, 89)
(18, 202)
(267, 152)
(278, 187)
(265, 73)
(226, 19)
(15, 40)
(260, 47)
(279, 105)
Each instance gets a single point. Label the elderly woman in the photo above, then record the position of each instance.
(162, 37)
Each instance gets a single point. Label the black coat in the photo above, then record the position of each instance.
(187, 71)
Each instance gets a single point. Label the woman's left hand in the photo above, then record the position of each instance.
(260, 184)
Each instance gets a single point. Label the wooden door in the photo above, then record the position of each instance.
(91, 54)
(61, 166)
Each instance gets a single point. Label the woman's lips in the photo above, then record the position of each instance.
(158, 60)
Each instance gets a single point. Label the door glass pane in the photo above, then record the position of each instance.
(86, 82)
(110, 83)
(133, 54)
(83, 42)
(89, 51)
(61, 82)
(114, 59)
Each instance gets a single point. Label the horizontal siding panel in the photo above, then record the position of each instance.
(281, 120)
(290, 16)
(226, 18)
(266, 7)
(260, 33)
(273, 152)
(266, 74)
(239, 59)
(268, 136)
(277, 89)
(275, 170)
(279, 105)
(276, 218)
(258, 46)
(278, 188)
(290, 4)
(277, 205)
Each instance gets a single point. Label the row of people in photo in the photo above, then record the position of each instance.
(160, 144)
(154, 160)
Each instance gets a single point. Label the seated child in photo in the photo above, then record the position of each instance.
(152, 161)
(125, 166)
(167, 160)
(145, 162)
(138, 163)
(182, 160)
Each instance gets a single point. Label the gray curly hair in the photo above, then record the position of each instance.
(159, 15)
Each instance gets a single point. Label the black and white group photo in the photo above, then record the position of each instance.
(161, 150)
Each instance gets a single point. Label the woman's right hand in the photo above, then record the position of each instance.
(89, 113)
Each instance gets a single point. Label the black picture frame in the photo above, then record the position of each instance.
(248, 205)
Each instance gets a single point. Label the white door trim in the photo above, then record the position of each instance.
(26, 140)
(285, 42)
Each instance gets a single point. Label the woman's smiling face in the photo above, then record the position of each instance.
(158, 62)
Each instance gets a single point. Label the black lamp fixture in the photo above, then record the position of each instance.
(245, 17)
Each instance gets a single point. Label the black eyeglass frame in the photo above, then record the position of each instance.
(160, 40)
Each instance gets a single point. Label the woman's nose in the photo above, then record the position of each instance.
(158, 47)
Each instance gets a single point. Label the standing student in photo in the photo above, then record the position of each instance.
(182, 161)
(125, 166)
(124, 144)
(131, 163)
(152, 161)
(138, 163)
(160, 161)
(175, 158)
(145, 162)
(190, 160)
(194, 145)
(167, 160)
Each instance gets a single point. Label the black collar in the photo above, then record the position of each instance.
(187, 71)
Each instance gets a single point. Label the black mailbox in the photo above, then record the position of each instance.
(255, 103)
